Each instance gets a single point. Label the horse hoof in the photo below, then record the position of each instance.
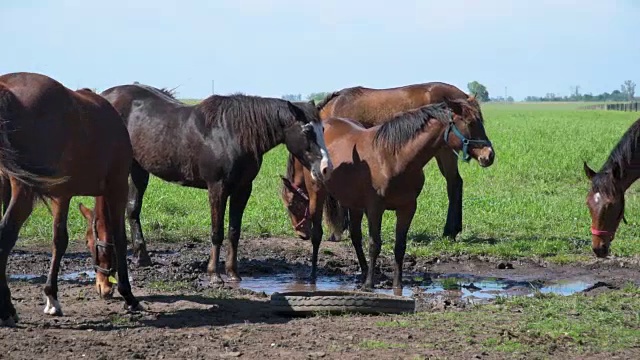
(8, 322)
(143, 260)
(233, 278)
(52, 307)
(216, 280)
(134, 308)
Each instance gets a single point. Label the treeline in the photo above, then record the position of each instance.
(626, 93)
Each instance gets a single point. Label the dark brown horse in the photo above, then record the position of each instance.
(381, 168)
(605, 198)
(57, 143)
(216, 145)
(372, 107)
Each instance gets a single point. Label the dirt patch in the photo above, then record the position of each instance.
(186, 318)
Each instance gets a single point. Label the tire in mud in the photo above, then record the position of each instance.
(339, 302)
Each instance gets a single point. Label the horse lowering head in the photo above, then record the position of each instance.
(467, 128)
(606, 205)
(305, 140)
(103, 253)
(296, 201)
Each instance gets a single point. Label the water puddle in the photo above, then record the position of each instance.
(78, 276)
(459, 285)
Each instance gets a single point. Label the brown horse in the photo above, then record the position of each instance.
(56, 143)
(381, 168)
(605, 198)
(372, 107)
(216, 145)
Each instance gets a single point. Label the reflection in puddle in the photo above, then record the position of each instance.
(80, 276)
(459, 285)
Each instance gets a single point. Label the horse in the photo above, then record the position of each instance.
(381, 168)
(605, 198)
(56, 143)
(216, 145)
(372, 107)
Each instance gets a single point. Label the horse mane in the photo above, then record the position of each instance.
(618, 162)
(327, 99)
(405, 126)
(170, 93)
(255, 122)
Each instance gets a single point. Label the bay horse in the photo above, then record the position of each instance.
(381, 168)
(216, 145)
(605, 198)
(56, 143)
(372, 107)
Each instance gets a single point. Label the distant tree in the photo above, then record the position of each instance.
(292, 97)
(510, 99)
(629, 89)
(317, 97)
(478, 90)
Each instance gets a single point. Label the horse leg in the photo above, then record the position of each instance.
(316, 205)
(374, 217)
(17, 213)
(237, 204)
(404, 216)
(217, 202)
(116, 204)
(448, 165)
(60, 210)
(355, 230)
(137, 187)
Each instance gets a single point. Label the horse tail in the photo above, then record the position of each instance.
(10, 166)
(336, 216)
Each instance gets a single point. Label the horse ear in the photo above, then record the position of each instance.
(454, 104)
(85, 211)
(297, 112)
(588, 171)
(287, 183)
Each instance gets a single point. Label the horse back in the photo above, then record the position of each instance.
(373, 107)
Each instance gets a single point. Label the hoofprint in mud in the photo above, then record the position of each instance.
(188, 318)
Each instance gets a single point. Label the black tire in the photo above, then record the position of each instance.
(339, 302)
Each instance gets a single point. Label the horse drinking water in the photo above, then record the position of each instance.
(57, 143)
(216, 145)
(605, 198)
(381, 168)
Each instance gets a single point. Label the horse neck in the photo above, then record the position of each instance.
(631, 173)
(417, 152)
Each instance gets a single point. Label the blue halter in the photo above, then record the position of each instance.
(466, 143)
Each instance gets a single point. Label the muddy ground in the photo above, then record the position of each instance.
(186, 318)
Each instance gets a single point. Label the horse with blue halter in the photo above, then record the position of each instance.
(381, 168)
(216, 145)
(371, 107)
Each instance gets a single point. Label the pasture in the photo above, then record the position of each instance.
(527, 209)
(530, 203)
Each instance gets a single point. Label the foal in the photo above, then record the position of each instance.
(381, 168)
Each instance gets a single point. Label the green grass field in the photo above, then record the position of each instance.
(531, 202)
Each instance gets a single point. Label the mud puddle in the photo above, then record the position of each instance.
(462, 285)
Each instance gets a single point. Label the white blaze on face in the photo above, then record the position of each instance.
(325, 163)
(53, 306)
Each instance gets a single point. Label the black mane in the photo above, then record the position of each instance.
(619, 160)
(401, 129)
(255, 122)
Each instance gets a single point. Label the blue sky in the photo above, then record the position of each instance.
(276, 47)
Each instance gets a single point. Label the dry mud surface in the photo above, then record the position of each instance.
(185, 318)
